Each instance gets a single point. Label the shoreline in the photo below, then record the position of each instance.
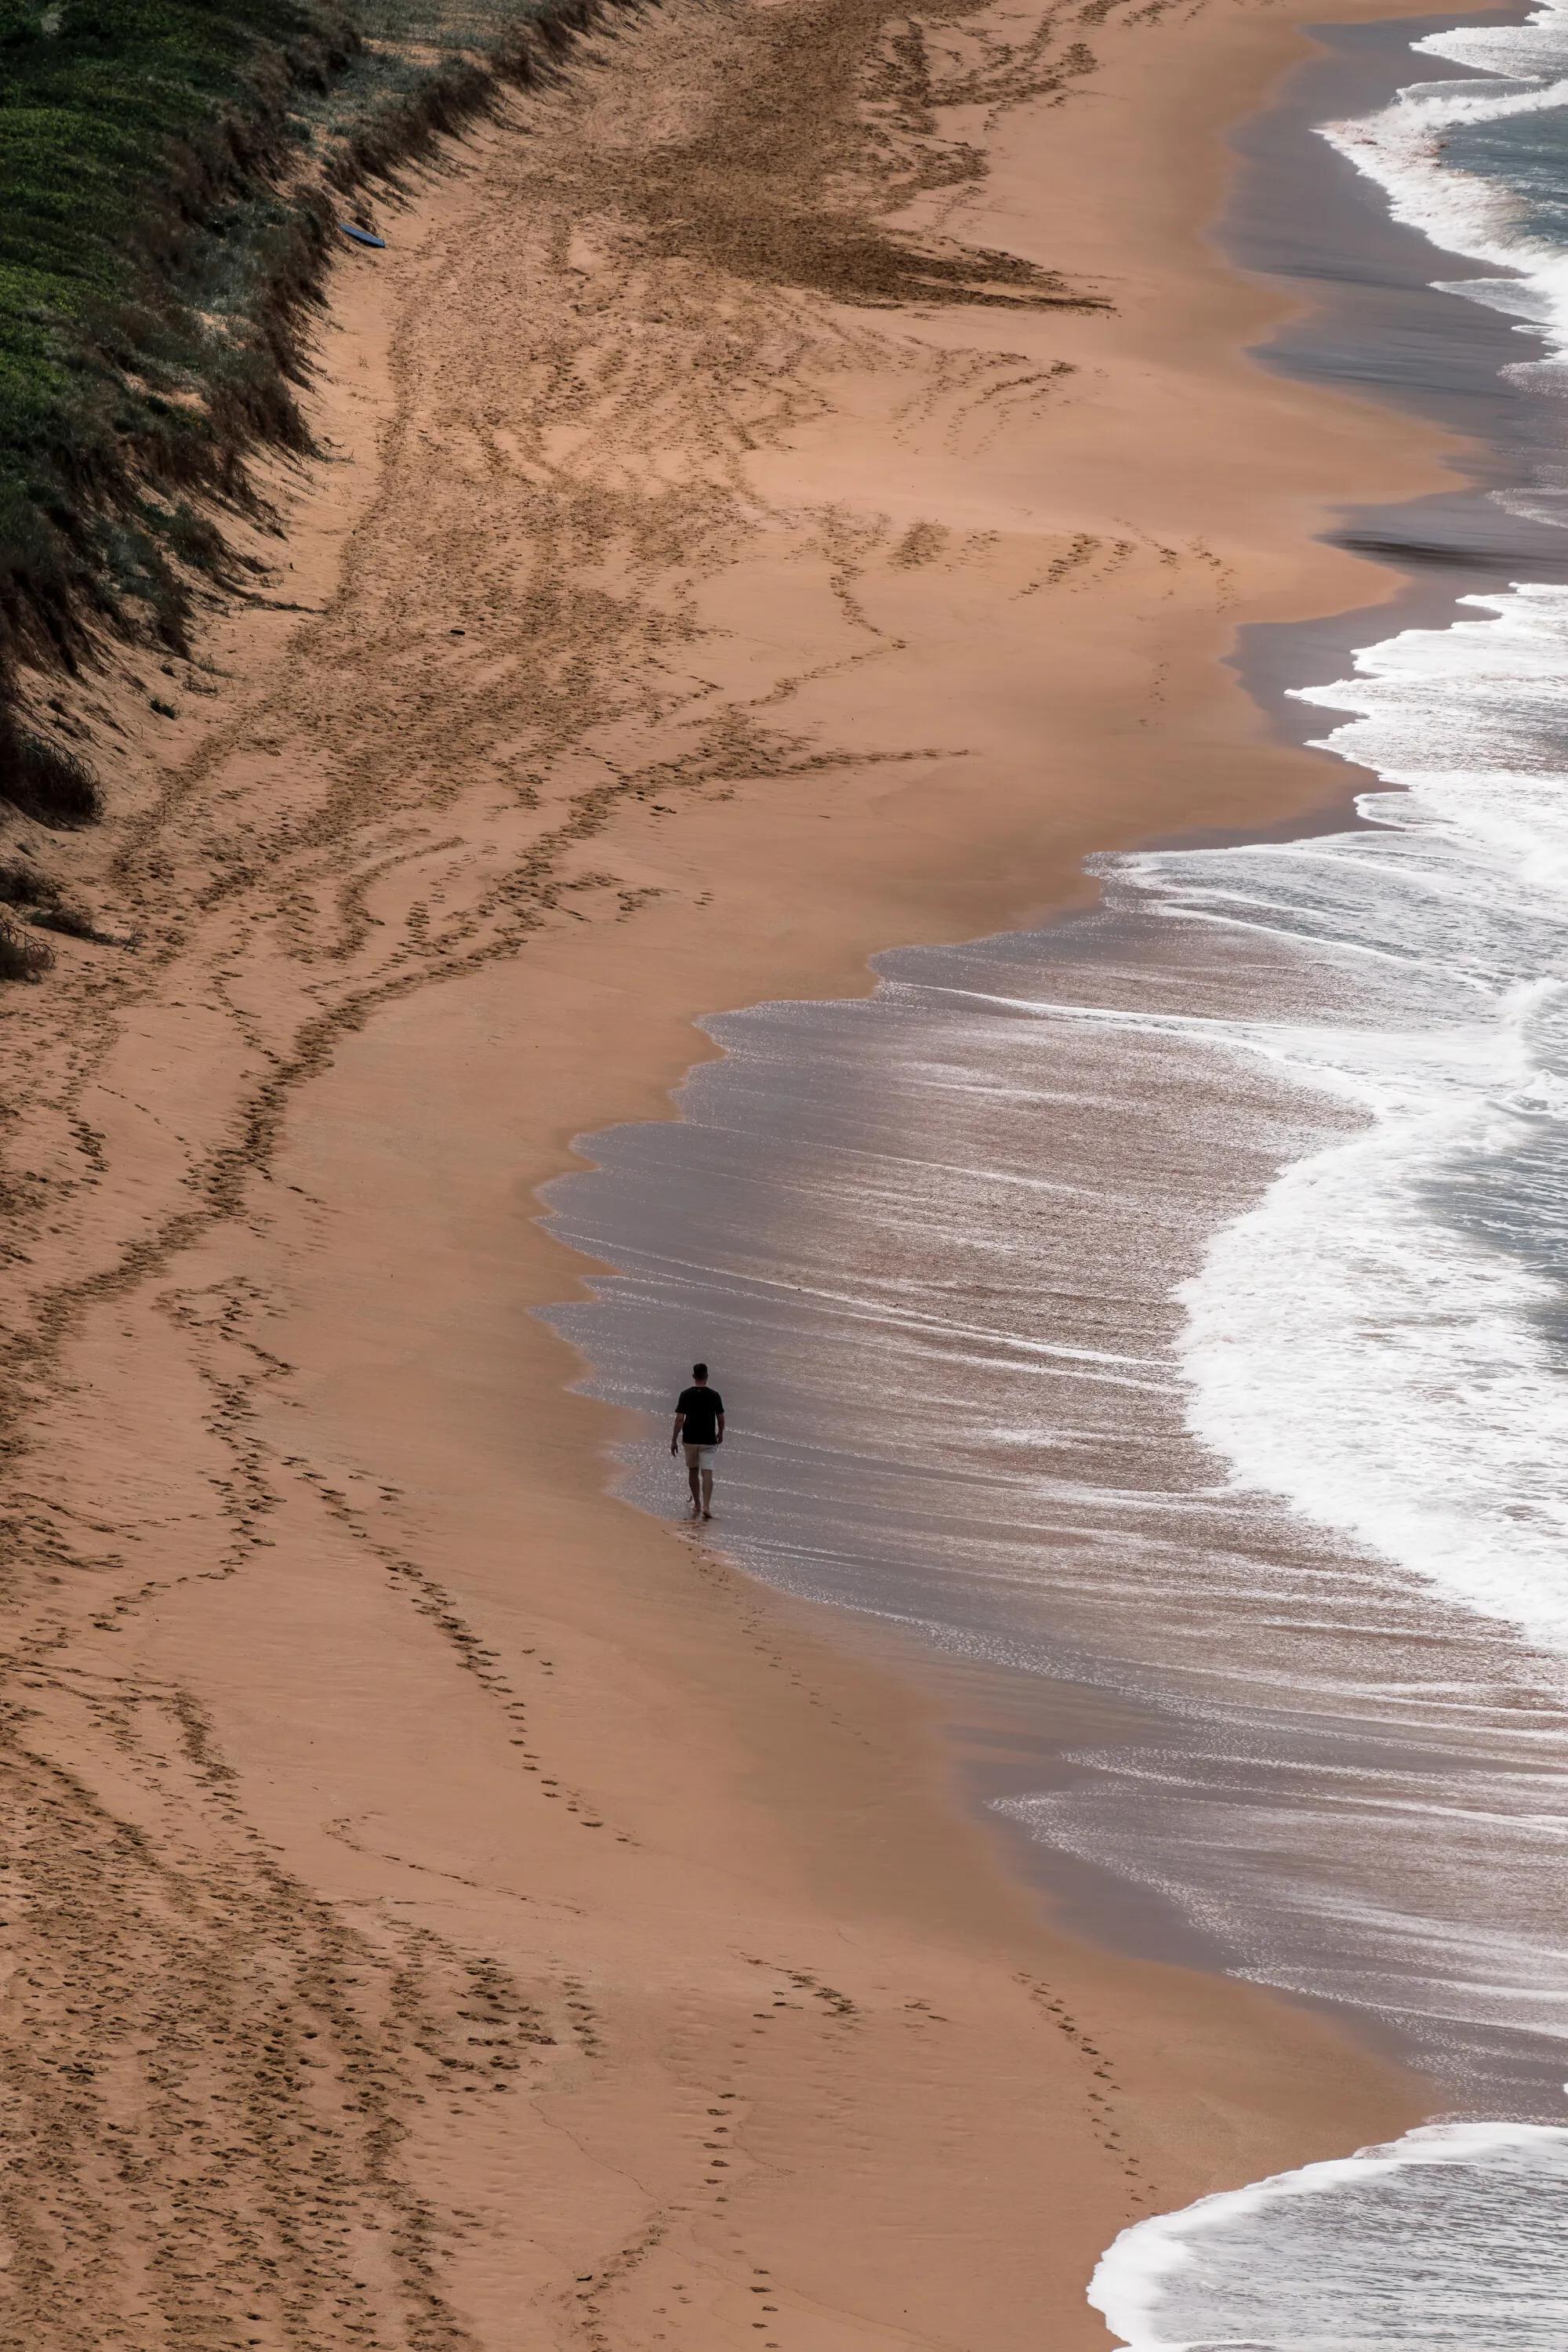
(1408, 596)
(351, 1394)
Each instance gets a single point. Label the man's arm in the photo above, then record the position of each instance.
(675, 1432)
(721, 1429)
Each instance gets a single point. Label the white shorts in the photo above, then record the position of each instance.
(700, 1457)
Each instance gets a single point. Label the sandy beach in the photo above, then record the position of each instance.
(789, 491)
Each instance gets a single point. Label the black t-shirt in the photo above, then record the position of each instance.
(702, 1408)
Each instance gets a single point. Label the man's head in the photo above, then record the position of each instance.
(699, 1371)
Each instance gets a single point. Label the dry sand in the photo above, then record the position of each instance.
(443, 1906)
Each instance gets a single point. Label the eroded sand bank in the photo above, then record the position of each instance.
(447, 1907)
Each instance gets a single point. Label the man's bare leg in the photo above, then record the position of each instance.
(707, 1494)
(694, 1479)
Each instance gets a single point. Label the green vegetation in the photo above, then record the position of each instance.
(170, 175)
(139, 141)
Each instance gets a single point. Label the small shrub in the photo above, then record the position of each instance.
(48, 907)
(22, 956)
(65, 916)
(50, 785)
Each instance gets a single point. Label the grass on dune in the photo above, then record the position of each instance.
(170, 172)
(137, 138)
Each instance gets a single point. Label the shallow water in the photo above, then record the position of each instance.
(1168, 1306)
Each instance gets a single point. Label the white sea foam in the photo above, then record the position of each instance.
(1449, 2240)
(1523, 70)
(1377, 1340)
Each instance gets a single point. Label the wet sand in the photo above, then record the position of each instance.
(447, 1907)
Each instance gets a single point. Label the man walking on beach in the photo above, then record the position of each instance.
(699, 1426)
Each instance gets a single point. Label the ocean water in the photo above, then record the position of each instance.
(1167, 1310)
(1380, 1339)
